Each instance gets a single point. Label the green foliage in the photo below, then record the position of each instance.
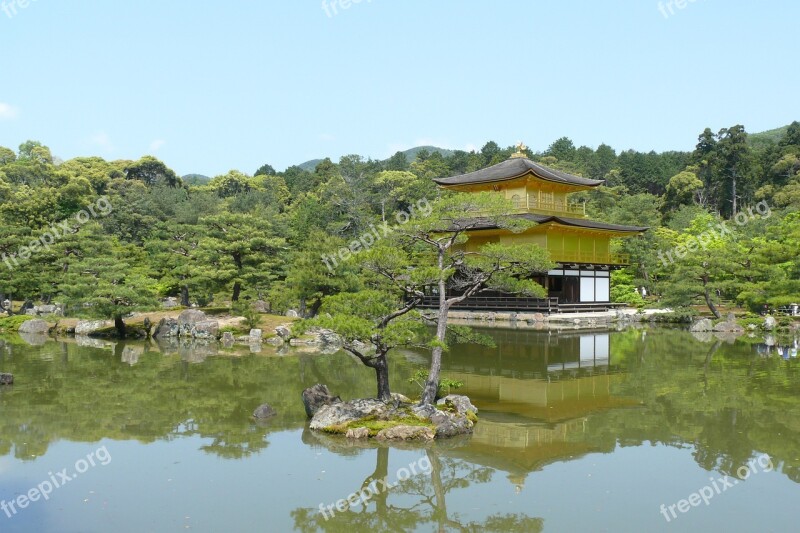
(263, 235)
(446, 385)
(11, 324)
(623, 289)
(245, 309)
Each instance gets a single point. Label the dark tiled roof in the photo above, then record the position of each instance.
(515, 168)
(576, 222)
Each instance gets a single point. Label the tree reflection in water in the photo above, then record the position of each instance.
(386, 512)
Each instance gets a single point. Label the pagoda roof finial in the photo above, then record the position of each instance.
(521, 148)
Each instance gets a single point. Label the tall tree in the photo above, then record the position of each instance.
(239, 251)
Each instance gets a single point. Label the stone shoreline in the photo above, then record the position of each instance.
(540, 321)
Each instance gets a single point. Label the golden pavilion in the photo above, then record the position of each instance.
(581, 247)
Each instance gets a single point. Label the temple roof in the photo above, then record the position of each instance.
(517, 167)
(566, 221)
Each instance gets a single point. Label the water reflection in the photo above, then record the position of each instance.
(786, 349)
(418, 501)
(546, 399)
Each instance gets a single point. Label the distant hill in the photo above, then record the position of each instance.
(411, 156)
(765, 138)
(310, 166)
(411, 153)
(195, 179)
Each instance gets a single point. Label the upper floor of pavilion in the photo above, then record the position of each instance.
(531, 187)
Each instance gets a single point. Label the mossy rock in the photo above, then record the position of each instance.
(374, 425)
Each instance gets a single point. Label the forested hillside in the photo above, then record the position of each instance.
(111, 236)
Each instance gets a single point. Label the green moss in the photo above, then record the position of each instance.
(374, 426)
(472, 417)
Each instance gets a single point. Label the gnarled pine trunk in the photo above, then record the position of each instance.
(381, 366)
(119, 325)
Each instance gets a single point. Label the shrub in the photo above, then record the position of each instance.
(246, 310)
(11, 324)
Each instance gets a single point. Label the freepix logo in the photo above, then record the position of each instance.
(668, 8)
(102, 207)
(56, 480)
(12, 7)
(368, 239)
(717, 487)
(332, 7)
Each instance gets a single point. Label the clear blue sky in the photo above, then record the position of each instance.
(210, 86)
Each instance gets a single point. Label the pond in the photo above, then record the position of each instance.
(636, 430)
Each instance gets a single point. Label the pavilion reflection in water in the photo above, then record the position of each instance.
(535, 391)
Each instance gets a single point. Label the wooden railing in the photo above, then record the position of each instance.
(564, 256)
(514, 303)
(556, 207)
(549, 305)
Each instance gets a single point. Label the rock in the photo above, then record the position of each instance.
(460, 403)
(316, 397)
(283, 332)
(447, 424)
(339, 413)
(170, 303)
(399, 398)
(577, 321)
(87, 327)
(187, 321)
(255, 335)
(167, 328)
(45, 309)
(255, 347)
(357, 433)
(770, 323)
(704, 324)
(329, 338)
(275, 341)
(728, 327)
(264, 411)
(406, 433)
(260, 306)
(205, 330)
(35, 326)
(6, 379)
(227, 339)
(31, 312)
(291, 313)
